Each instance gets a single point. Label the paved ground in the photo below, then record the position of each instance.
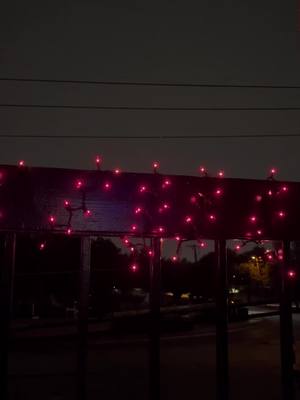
(45, 369)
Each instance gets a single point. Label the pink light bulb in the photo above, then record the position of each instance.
(42, 246)
(291, 274)
(126, 241)
(166, 183)
(258, 198)
(138, 210)
(155, 166)
(212, 217)
(273, 171)
(259, 232)
(253, 218)
(21, 163)
(134, 228)
(69, 231)
(237, 247)
(281, 214)
(161, 229)
(98, 161)
(188, 219)
(284, 189)
(107, 186)
(66, 203)
(52, 219)
(134, 267)
(143, 189)
(117, 171)
(79, 184)
(202, 244)
(174, 258)
(218, 192)
(178, 238)
(221, 174)
(150, 253)
(202, 170)
(87, 213)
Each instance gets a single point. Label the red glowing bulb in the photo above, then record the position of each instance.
(202, 170)
(133, 228)
(155, 166)
(69, 231)
(221, 174)
(258, 198)
(132, 249)
(237, 247)
(52, 219)
(270, 257)
(273, 171)
(143, 189)
(202, 244)
(174, 258)
(134, 267)
(188, 219)
(42, 246)
(126, 241)
(212, 217)
(88, 213)
(117, 171)
(178, 238)
(284, 189)
(107, 186)
(259, 232)
(21, 163)
(66, 203)
(161, 229)
(166, 183)
(281, 214)
(79, 184)
(98, 161)
(218, 192)
(150, 253)
(138, 210)
(291, 274)
(253, 218)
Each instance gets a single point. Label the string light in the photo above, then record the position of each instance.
(212, 218)
(143, 189)
(98, 161)
(221, 174)
(69, 231)
(203, 171)
(188, 219)
(107, 186)
(42, 246)
(87, 213)
(291, 274)
(281, 214)
(138, 210)
(166, 183)
(79, 184)
(134, 267)
(155, 166)
(117, 171)
(218, 192)
(52, 219)
(21, 163)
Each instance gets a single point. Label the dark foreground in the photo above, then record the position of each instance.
(45, 368)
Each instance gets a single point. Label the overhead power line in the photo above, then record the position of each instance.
(149, 83)
(147, 137)
(144, 108)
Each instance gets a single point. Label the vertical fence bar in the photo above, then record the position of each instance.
(6, 284)
(154, 327)
(222, 367)
(84, 285)
(286, 329)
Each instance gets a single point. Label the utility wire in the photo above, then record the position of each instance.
(147, 137)
(149, 83)
(144, 108)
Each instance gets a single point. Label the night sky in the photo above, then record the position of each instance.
(249, 41)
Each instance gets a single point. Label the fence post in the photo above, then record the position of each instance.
(154, 326)
(84, 285)
(286, 329)
(6, 285)
(222, 367)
